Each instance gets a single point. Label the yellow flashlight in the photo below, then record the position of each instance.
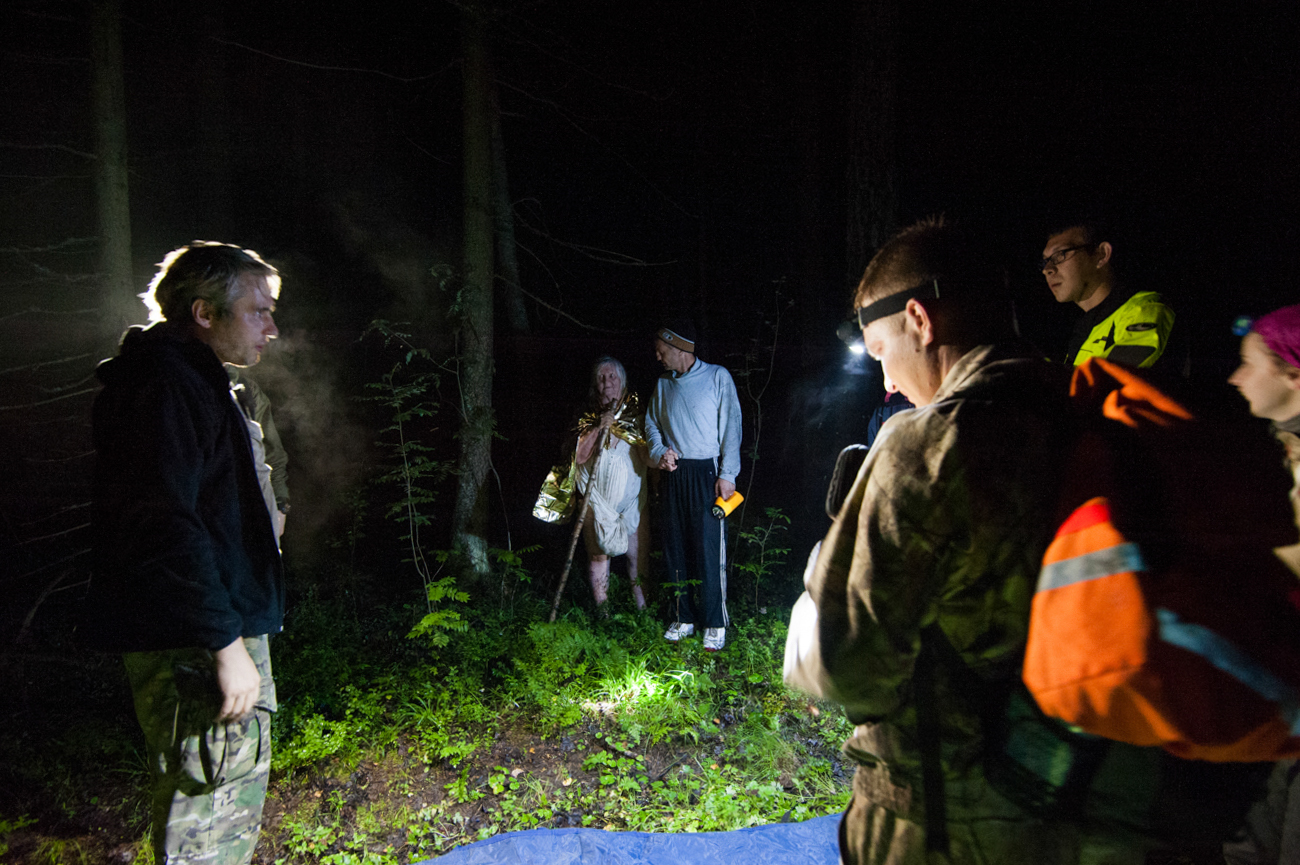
(723, 507)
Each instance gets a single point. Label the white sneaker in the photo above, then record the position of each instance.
(678, 631)
(714, 639)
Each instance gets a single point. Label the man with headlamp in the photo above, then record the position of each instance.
(917, 605)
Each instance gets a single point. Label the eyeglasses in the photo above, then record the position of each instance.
(1054, 260)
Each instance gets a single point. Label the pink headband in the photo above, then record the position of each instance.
(1280, 331)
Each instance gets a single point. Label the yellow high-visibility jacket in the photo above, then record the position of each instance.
(1133, 331)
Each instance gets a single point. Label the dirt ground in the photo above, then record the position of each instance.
(399, 784)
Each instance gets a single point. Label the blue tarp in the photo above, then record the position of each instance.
(812, 842)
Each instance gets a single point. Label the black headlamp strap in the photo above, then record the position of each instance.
(896, 302)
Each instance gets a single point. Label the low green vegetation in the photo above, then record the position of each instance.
(519, 724)
(422, 708)
(390, 749)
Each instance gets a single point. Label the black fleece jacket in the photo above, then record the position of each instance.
(184, 550)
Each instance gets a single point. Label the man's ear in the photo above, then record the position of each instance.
(918, 317)
(203, 313)
(1104, 250)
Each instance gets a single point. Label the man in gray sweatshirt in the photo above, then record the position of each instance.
(693, 424)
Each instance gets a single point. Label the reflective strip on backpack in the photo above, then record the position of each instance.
(1119, 559)
(1225, 656)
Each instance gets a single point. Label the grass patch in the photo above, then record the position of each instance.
(390, 750)
(576, 723)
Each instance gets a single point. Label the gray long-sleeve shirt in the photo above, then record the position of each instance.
(698, 415)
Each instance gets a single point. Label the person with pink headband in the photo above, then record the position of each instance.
(1269, 378)
(1269, 374)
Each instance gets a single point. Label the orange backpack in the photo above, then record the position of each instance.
(1162, 616)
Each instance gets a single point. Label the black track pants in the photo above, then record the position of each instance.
(695, 549)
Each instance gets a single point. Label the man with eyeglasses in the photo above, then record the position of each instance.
(917, 606)
(1124, 326)
(937, 547)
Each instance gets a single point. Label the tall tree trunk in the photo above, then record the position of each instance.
(214, 173)
(507, 258)
(469, 523)
(872, 186)
(814, 327)
(108, 101)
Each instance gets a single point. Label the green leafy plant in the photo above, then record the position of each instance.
(765, 554)
(755, 373)
(460, 790)
(514, 576)
(8, 827)
(408, 395)
(312, 840)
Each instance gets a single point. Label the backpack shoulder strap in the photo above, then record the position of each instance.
(929, 740)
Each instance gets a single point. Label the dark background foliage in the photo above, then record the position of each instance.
(664, 159)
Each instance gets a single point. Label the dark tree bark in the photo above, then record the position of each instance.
(814, 225)
(872, 193)
(113, 211)
(469, 522)
(507, 257)
(214, 171)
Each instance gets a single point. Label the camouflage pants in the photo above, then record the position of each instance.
(209, 778)
(884, 826)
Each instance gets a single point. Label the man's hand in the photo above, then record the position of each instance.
(668, 462)
(724, 489)
(239, 681)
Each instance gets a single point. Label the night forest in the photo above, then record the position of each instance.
(470, 203)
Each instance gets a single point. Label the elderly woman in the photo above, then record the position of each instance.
(613, 479)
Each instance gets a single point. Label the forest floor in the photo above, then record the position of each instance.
(390, 750)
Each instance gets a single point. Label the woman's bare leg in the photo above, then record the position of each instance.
(597, 567)
(599, 573)
(638, 549)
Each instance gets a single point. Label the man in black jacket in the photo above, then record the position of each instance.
(187, 581)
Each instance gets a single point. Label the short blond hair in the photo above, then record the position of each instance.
(203, 270)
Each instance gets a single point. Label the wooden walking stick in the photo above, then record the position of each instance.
(582, 512)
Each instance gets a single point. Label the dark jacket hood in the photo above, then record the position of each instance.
(141, 348)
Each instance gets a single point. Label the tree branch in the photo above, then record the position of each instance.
(593, 252)
(44, 363)
(559, 311)
(55, 564)
(36, 310)
(63, 510)
(67, 387)
(47, 401)
(73, 458)
(53, 247)
(62, 147)
(324, 68)
(565, 116)
(54, 535)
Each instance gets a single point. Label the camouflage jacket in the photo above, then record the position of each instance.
(1291, 443)
(947, 522)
